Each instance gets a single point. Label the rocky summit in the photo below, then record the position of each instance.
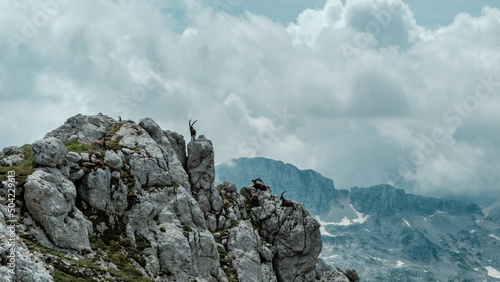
(105, 200)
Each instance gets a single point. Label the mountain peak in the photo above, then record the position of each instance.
(127, 202)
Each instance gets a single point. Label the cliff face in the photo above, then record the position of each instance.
(135, 207)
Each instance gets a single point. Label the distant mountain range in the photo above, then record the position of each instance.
(382, 232)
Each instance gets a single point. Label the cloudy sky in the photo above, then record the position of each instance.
(365, 92)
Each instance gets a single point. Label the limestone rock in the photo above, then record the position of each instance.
(28, 267)
(85, 129)
(74, 157)
(175, 167)
(95, 189)
(267, 273)
(298, 244)
(200, 163)
(293, 232)
(10, 156)
(244, 237)
(75, 176)
(244, 246)
(113, 160)
(334, 276)
(50, 199)
(247, 265)
(49, 152)
(178, 144)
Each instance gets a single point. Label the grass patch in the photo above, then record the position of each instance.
(23, 170)
(78, 147)
(141, 243)
(187, 230)
(227, 265)
(60, 275)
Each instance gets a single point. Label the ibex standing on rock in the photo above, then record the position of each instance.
(192, 130)
(285, 202)
(261, 186)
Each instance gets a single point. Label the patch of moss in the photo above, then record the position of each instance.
(115, 144)
(141, 243)
(165, 272)
(126, 243)
(96, 243)
(60, 275)
(227, 265)
(234, 223)
(187, 230)
(222, 252)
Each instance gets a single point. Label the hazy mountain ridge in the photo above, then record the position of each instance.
(388, 235)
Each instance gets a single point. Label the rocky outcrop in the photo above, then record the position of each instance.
(10, 156)
(200, 163)
(50, 199)
(292, 232)
(18, 264)
(49, 152)
(138, 206)
(84, 129)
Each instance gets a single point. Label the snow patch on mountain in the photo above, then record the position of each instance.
(399, 264)
(344, 222)
(361, 218)
(406, 222)
(493, 272)
(494, 236)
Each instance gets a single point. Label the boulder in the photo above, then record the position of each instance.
(74, 157)
(50, 199)
(113, 160)
(200, 163)
(49, 152)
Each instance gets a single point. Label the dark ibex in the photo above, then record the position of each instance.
(259, 186)
(226, 203)
(255, 199)
(192, 130)
(285, 202)
(101, 143)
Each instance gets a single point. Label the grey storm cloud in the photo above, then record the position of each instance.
(358, 91)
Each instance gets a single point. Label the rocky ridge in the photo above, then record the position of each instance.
(119, 201)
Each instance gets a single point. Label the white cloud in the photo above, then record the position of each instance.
(346, 89)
